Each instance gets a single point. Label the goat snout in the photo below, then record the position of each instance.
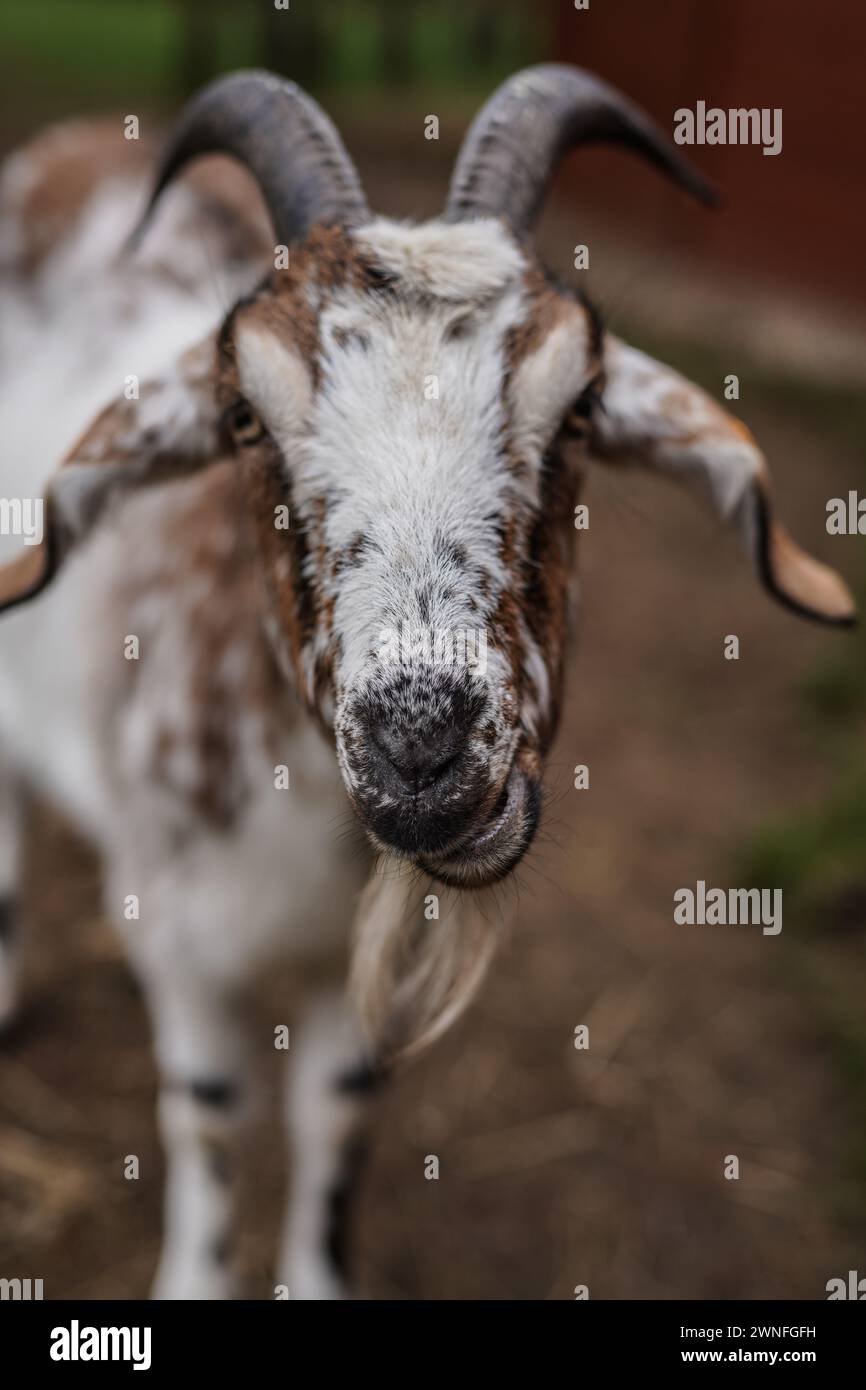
(418, 773)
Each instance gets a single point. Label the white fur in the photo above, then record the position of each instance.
(653, 414)
(462, 262)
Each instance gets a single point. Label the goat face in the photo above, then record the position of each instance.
(405, 392)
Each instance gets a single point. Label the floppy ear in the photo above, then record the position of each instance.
(170, 429)
(653, 416)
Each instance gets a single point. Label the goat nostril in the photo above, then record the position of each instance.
(418, 762)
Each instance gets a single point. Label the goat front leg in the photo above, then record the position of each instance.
(202, 1104)
(331, 1081)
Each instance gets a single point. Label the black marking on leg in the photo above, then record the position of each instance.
(218, 1160)
(216, 1091)
(8, 919)
(340, 1203)
(221, 1248)
(364, 1078)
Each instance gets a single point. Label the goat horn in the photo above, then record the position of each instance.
(515, 143)
(285, 140)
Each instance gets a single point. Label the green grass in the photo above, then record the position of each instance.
(351, 49)
(89, 43)
(817, 857)
(87, 51)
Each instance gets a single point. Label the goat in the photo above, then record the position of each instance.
(280, 491)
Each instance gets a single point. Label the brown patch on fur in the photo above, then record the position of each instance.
(207, 568)
(290, 302)
(505, 620)
(509, 542)
(283, 555)
(25, 576)
(529, 762)
(547, 308)
(296, 565)
(323, 673)
(539, 593)
(323, 600)
(505, 634)
(542, 598)
(330, 257)
(282, 308)
(63, 167)
(218, 550)
(350, 557)
(551, 553)
(60, 170)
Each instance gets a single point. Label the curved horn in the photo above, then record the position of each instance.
(515, 143)
(285, 140)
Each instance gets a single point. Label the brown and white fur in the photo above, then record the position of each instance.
(260, 648)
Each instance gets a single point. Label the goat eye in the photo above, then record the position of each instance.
(244, 425)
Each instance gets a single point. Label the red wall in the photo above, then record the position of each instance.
(800, 216)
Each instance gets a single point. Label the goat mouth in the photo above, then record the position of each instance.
(492, 851)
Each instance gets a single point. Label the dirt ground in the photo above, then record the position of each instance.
(558, 1167)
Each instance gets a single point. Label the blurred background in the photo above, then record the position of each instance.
(559, 1167)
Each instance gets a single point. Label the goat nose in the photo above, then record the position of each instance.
(418, 756)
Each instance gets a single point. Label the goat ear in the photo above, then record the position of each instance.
(170, 428)
(653, 416)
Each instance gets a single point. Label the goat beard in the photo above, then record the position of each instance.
(411, 978)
